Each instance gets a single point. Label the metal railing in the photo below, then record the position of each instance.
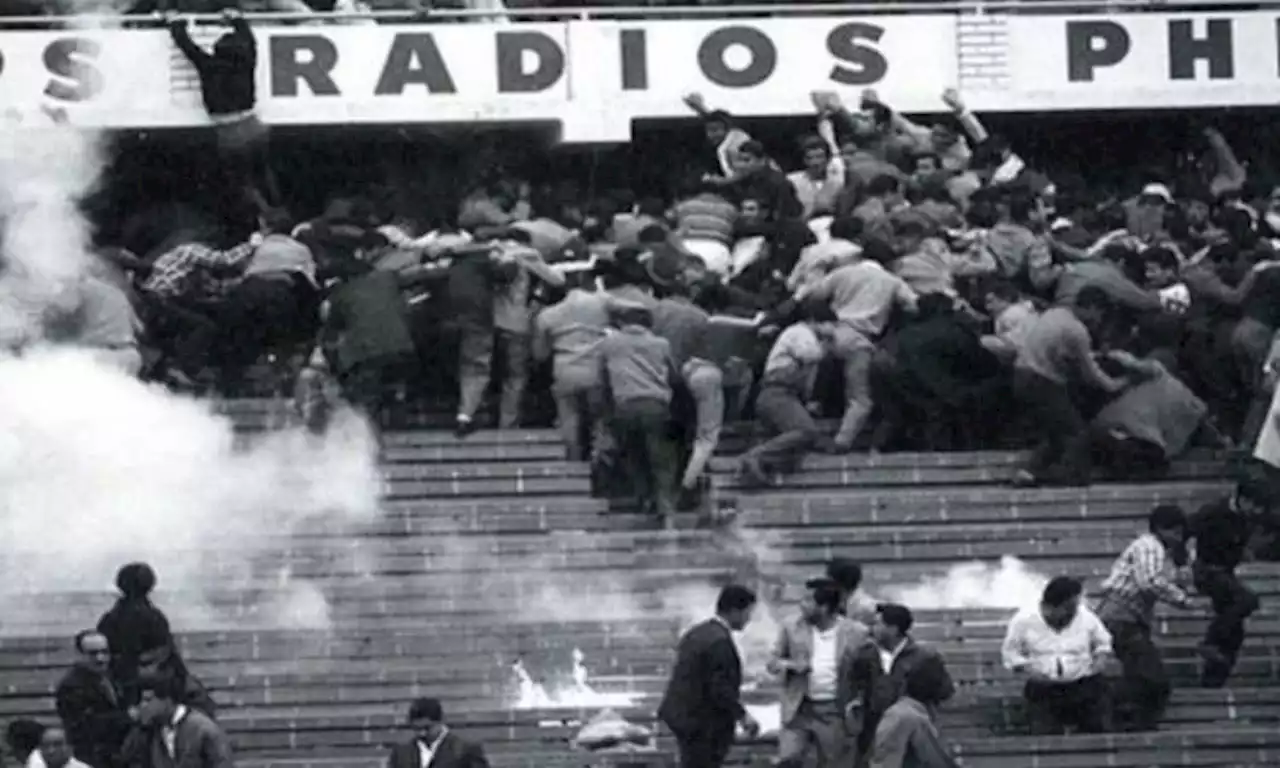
(632, 13)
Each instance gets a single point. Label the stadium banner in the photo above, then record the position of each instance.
(610, 72)
(1140, 61)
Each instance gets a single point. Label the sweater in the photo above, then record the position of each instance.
(568, 332)
(228, 74)
(637, 365)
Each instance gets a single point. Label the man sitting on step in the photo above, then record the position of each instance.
(1060, 647)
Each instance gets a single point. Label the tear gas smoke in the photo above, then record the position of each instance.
(1010, 584)
(97, 469)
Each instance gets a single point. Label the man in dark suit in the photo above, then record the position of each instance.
(881, 668)
(91, 706)
(703, 699)
(434, 745)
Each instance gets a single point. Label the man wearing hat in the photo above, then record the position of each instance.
(434, 745)
(813, 655)
(880, 671)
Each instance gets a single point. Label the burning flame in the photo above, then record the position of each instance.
(577, 695)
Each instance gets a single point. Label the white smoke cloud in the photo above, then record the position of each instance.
(1009, 584)
(97, 469)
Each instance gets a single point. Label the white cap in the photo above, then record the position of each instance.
(1158, 190)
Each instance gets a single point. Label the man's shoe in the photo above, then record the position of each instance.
(464, 426)
(752, 474)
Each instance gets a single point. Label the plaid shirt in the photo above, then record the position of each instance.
(188, 271)
(1139, 578)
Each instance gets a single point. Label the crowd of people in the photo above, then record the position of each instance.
(923, 284)
(855, 689)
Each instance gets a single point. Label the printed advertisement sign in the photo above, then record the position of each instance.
(1140, 60)
(478, 72)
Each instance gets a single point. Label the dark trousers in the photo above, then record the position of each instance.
(640, 429)
(1142, 693)
(704, 749)
(1128, 458)
(1083, 704)
(1063, 451)
(1233, 603)
(781, 411)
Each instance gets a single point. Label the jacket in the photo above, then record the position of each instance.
(199, 743)
(703, 695)
(906, 738)
(453, 752)
(881, 690)
(228, 82)
(93, 712)
(795, 643)
(568, 332)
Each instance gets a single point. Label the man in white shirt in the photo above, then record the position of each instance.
(813, 654)
(1061, 647)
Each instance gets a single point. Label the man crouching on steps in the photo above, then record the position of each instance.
(638, 374)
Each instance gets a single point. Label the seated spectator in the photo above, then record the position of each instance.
(133, 626)
(639, 374)
(785, 388)
(906, 736)
(177, 736)
(91, 706)
(882, 668)
(1056, 354)
(1061, 648)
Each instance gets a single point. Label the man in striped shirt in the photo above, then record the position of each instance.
(1141, 577)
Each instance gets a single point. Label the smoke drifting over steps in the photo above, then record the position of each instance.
(97, 469)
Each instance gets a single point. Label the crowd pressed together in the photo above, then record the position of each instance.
(923, 284)
(958, 297)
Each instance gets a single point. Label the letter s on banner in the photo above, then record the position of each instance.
(75, 77)
(865, 64)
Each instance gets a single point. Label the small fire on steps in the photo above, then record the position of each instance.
(580, 694)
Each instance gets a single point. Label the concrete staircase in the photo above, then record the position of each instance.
(491, 550)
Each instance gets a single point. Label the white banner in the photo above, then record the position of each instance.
(1140, 60)
(591, 73)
